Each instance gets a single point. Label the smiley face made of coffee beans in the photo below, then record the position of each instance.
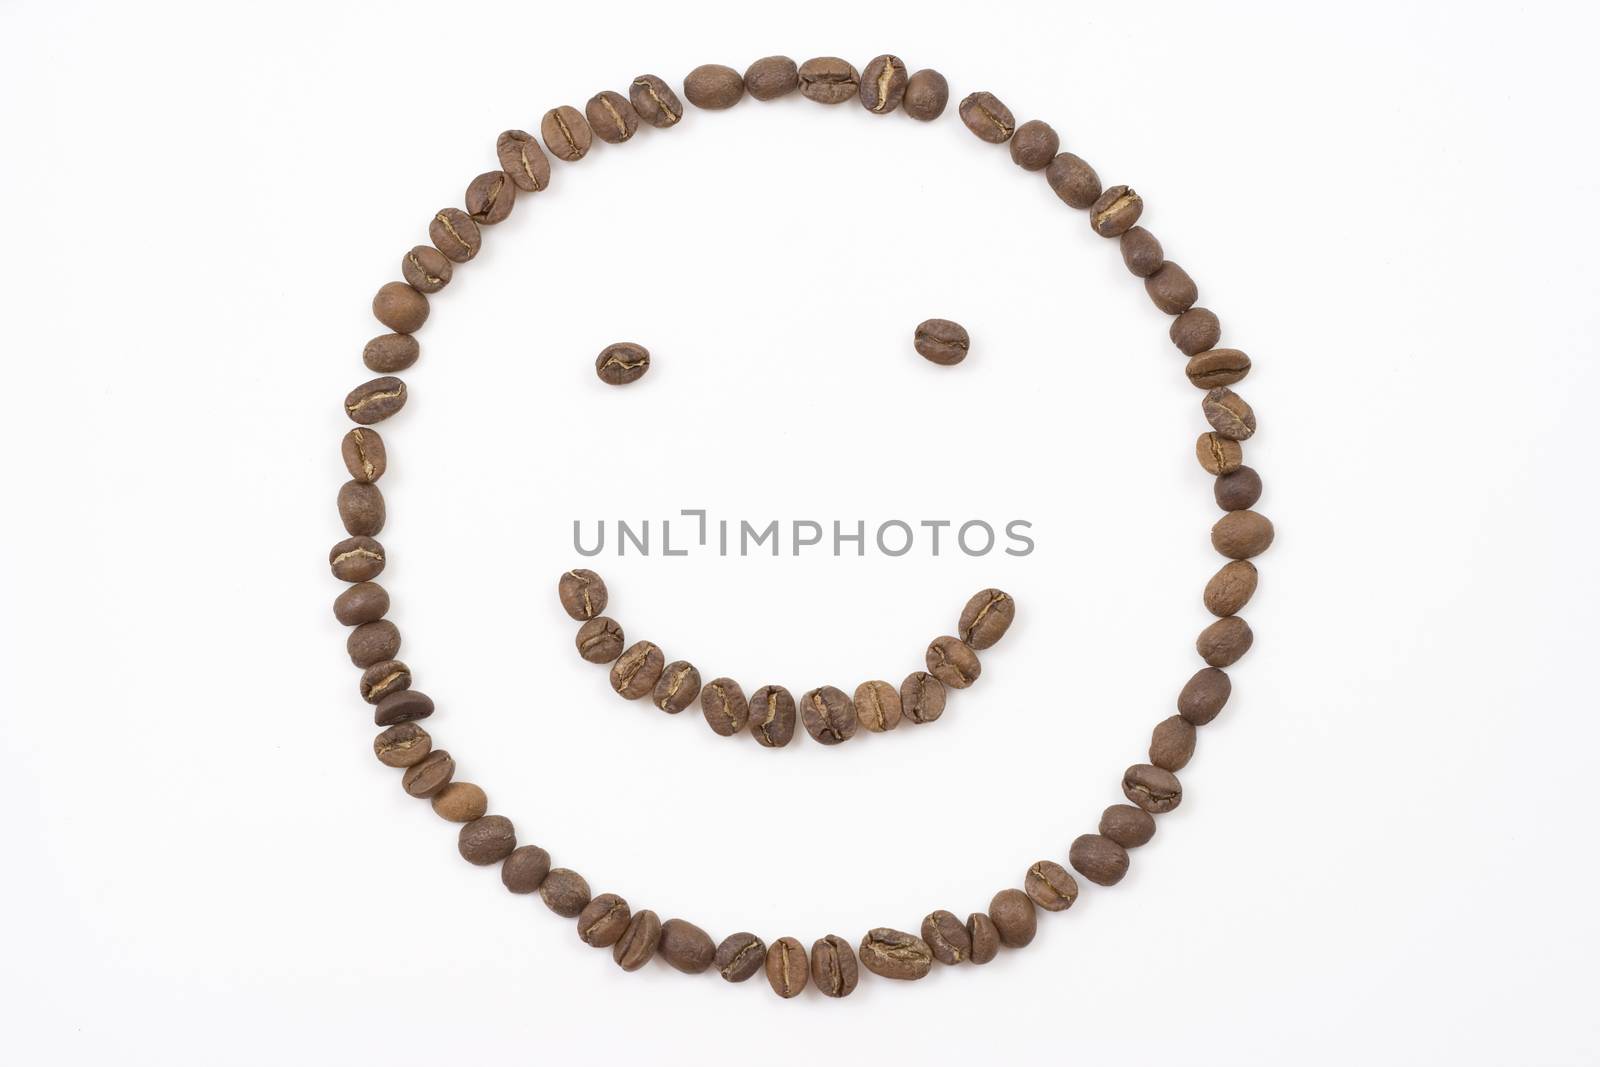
(832, 963)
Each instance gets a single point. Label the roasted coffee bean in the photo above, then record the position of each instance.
(402, 745)
(373, 641)
(1099, 859)
(927, 95)
(523, 871)
(895, 954)
(461, 802)
(637, 670)
(453, 232)
(877, 706)
(787, 970)
(1050, 886)
(833, 966)
(1238, 490)
(1171, 289)
(400, 307)
(655, 101)
(947, 938)
(390, 353)
(384, 678)
(1127, 826)
(828, 80)
(603, 920)
(1204, 695)
(363, 454)
(740, 956)
(677, 687)
(362, 602)
(564, 892)
(622, 363)
(883, 84)
(1073, 180)
(953, 662)
(922, 697)
(1218, 454)
(487, 840)
(772, 77)
(1242, 534)
(1217, 367)
(583, 593)
(723, 704)
(425, 269)
(986, 618)
(408, 705)
(829, 715)
(1224, 642)
(1014, 917)
(1141, 252)
(356, 559)
(1195, 331)
(772, 715)
(687, 947)
(375, 401)
(1151, 788)
(600, 640)
(637, 945)
(490, 198)
(714, 87)
(361, 508)
(941, 341)
(987, 118)
(1231, 588)
(1172, 743)
(429, 775)
(523, 160)
(1034, 145)
(1229, 415)
(566, 133)
(984, 936)
(611, 117)
(1115, 211)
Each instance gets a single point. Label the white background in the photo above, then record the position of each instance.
(1386, 848)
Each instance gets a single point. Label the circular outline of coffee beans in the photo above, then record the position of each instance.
(832, 964)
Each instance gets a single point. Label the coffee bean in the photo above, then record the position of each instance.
(461, 802)
(772, 77)
(1195, 331)
(429, 775)
(947, 939)
(1171, 289)
(723, 704)
(600, 640)
(926, 96)
(1151, 788)
(363, 454)
(772, 716)
(922, 697)
(384, 678)
(1073, 180)
(375, 401)
(740, 956)
(583, 593)
(655, 101)
(362, 602)
(1034, 145)
(829, 715)
(373, 641)
(637, 945)
(1224, 642)
(453, 232)
(1229, 415)
(524, 870)
(1217, 367)
(622, 363)
(833, 966)
(487, 840)
(883, 84)
(1050, 886)
(1115, 211)
(786, 967)
(389, 353)
(895, 954)
(1099, 859)
(877, 706)
(603, 920)
(1242, 534)
(677, 687)
(1014, 917)
(637, 670)
(1231, 588)
(1172, 743)
(713, 87)
(425, 269)
(1218, 454)
(564, 892)
(566, 133)
(490, 198)
(686, 947)
(984, 936)
(400, 307)
(987, 118)
(402, 745)
(1127, 826)
(1238, 490)
(953, 662)
(828, 80)
(361, 508)
(1141, 252)
(1204, 695)
(407, 705)
(523, 160)
(356, 559)
(941, 341)
(611, 116)
(986, 618)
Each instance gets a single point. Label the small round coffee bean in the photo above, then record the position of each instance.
(356, 559)
(363, 454)
(927, 95)
(637, 945)
(1238, 490)
(1034, 145)
(637, 670)
(1115, 211)
(740, 956)
(1224, 642)
(1204, 695)
(600, 640)
(833, 966)
(1171, 289)
(655, 101)
(987, 118)
(787, 969)
(1242, 534)
(1172, 743)
(611, 117)
(1218, 454)
(622, 363)
(1073, 180)
(361, 508)
(895, 954)
(362, 602)
(829, 715)
(723, 704)
(375, 401)
(453, 232)
(400, 307)
(564, 892)
(677, 687)
(713, 87)
(828, 80)
(390, 353)
(1151, 788)
(523, 871)
(583, 593)
(603, 920)
(1141, 252)
(1196, 330)
(1127, 826)
(402, 745)
(946, 937)
(1231, 588)
(941, 341)
(985, 938)
(877, 706)
(686, 947)
(487, 840)
(425, 269)
(1229, 415)
(1014, 917)
(408, 705)
(1217, 367)
(953, 662)
(373, 641)
(384, 679)
(772, 77)
(429, 775)
(490, 197)
(461, 802)
(922, 697)
(1048, 885)
(566, 133)
(1099, 859)
(772, 716)
(883, 84)
(986, 618)
(523, 160)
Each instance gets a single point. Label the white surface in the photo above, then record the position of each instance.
(1386, 848)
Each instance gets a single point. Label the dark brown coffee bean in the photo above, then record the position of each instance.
(461, 802)
(1224, 642)
(941, 341)
(877, 706)
(833, 966)
(400, 307)
(622, 363)
(1231, 588)
(603, 920)
(356, 559)
(566, 133)
(895, 954)
(373, 641)
(713, 87)
(490, 197)
(987, 118)
(363, 602)
(363, 454)
(425, 269)
(487, 840)
(522, 158)
(1115, 211)
(383, 679)
(1203, 695)
(361, 508)
(772, 716)
(677, 687)
(723, 704)
(655, 101)
(375, 401)
(1127, 826)
(1099, 859)
(1171, 289)
(922, 697)
(637, 670)
(402, 745)
(600, 640)
(390, 353)
(829, 715)
(984, 936)
(564, 892)
(947, 939)
(429, 775)
(772, 77)
(1238, 490)
(524, 870)
(453, 232)
(740, 956)
(611, 117)
(828, 80)
(1217, 367)
(1229, 415)
(1196, 330)
(637, 945)
(1034, 145)
(1014, 917)
(687, 947)
(1218, 454)
(1073, 180)
(787, 969)
(953, 662)
(583, 593)
(986, 618)
(883, 84)
(1050, 886)
(1242, 534)
(1151, 788)
(408, 705)
(1141, 252)
(1172, 743)
(927, 95)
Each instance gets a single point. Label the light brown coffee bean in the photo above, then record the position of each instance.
(772, 77)
(604, 920)
(566, 133)
(521, 157)
(524, 870)
(953, 662)
(383, 679)
(713, 87)
(829, 715)
(400, 307)
(941, 341)
(373, 641)
(622, 363)
(686, 947)
(1231, 588)
(927, 95)
(356, 559)
(677, 687)
(1217, 367)
(1172, 743)
(362, 602)
(361, 508)
(895, 954)
(883, 84)
(1048, 885)
(1151, 788)
(740, 956)
(922, 697)
(402, 745)
(637, 670)
(1225, 641)
(987, 118)
(985, 938)
(389, 353)
(877, 706)
(1242, 534)
(1229, 415)
(637, 945)
(724, 706)
(407, 705)
(363, 454)
(611, 117)
(1218, 454)
(1141, 252)
(461, 802)
(1014, 917)
(1204, 695)
(986, 618)
(772, 716)
(1171, 289)
(1127, 826)
(453, 232)
(490, 198)
(429, 775)
(833, 966)
(1115, 211)
(655, 101)
(375, 401)
(1099, 859)
(1073, 180)
(487, 840)
(425, 269)
(600, 640)
(583, 593)
(565, 892)
(787, 969)
(947, 937)
(828, 80)
(1034, 145)
(1196, 330)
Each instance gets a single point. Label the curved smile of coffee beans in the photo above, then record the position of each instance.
(771, 714)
